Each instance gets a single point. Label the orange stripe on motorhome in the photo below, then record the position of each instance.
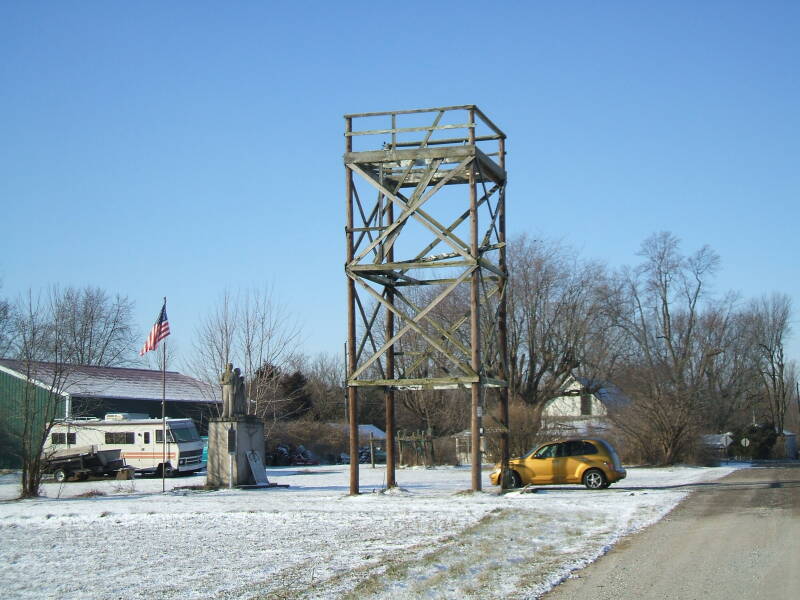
(148, 455)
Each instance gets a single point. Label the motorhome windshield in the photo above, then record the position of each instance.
(184, 432)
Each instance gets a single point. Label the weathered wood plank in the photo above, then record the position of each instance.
(488, 122)
(408, 266)
(430, 128)
(491, 382)
(439, 142)
(485, 264)
(387, 113)
(496, 172)
(388, 155)
(438, 381)
(355, 229)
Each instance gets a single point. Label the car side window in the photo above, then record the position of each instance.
(589, 448)
(573, 448)
(547, 451)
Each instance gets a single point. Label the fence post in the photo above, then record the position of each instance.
(372, 449)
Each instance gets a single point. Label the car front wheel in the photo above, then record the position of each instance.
(594, 479)
(513, 479)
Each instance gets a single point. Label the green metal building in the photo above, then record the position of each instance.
(26, 406)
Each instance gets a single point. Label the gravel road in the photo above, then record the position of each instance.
(738, 537)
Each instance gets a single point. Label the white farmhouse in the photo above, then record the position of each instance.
(583, 408)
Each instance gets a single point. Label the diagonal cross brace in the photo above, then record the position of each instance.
(412, 209)
(412, 323)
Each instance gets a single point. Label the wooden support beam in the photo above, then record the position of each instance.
(408, 129)
(421, 382)
(457, 153)
(480, 138)
(411, 111)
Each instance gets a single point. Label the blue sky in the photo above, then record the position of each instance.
(183, 148)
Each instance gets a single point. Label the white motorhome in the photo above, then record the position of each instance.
(139, 439)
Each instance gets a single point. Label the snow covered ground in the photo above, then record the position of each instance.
(427, 539)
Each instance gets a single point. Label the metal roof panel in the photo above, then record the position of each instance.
(83, 381)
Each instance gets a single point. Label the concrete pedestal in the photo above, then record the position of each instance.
(224, 469)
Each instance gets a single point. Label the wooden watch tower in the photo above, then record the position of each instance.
(426, 269)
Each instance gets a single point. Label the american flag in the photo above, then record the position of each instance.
(159, 331)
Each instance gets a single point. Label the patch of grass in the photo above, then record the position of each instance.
(395, 491)
(398, 570)
(310, 472)
(471, 493)
(91, 494)
(123, 488)
(195, 488)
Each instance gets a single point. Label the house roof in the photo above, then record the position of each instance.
(607, 393)
(377, 433)
(363, 430)
(83, 381)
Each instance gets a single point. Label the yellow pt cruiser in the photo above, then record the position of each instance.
(592, 462)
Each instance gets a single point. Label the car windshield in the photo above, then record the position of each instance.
(184, 432)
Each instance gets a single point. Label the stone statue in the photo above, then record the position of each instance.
(228, 386)
(234, 394)
(239, 394)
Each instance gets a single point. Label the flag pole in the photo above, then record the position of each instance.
(164, 414)
(158, 333)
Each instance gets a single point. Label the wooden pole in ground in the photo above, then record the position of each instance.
(475, 338)
(352, 396)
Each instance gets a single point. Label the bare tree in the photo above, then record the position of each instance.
(41, 346)
(251, 331)
(216, 340)
(671, 341)
(557, 325)
(6, 339)
(97, 328)
(770, 320)
(439, 412)
(49, 333)
(280, 395)
(525, 432)
(730, 385)
(325, 373)
(793, 375)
